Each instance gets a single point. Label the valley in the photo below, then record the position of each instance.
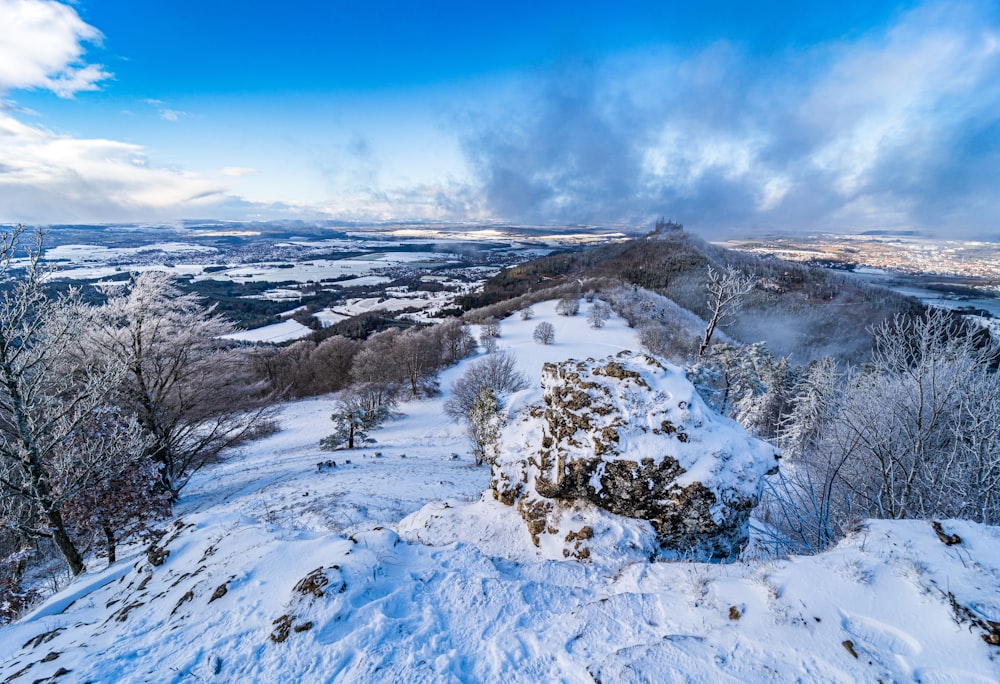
(282, 281)
(954, 274)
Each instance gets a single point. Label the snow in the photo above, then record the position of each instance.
(276, 332)
(397, 589)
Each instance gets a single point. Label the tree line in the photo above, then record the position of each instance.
(107, 410)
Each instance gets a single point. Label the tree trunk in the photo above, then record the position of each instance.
(63, 542)
(709, 331)
(42, 494)
(109, 542)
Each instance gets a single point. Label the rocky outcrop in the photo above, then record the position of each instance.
(630, 436)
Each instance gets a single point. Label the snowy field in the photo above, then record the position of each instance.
(390, 566)
(286, 330)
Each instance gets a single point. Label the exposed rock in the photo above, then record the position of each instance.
(629, 435)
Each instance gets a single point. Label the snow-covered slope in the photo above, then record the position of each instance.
(280, 569)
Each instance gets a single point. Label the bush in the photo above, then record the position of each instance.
(497, 372)
(568, 306)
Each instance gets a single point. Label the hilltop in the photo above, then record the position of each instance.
(799, 310)
(388, 563)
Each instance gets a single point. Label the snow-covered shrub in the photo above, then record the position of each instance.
(568, 306)
(477, 397)
(354, 415)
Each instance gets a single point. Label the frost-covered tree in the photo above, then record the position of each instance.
(568, 305)
(46, 400)
(193, 394)
(545, 333)
(353, 417)
(117, 503)
(811, 410)
(746, 383)
(598, 314)
(477, 398)
(485, 423)
(726, 290)
(913, 433)
(921, 423)
(527, 313)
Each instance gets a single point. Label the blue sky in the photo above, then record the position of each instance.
(726, 116)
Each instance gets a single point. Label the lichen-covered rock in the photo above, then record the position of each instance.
(629, 435)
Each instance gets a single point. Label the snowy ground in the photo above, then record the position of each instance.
(283, 570)
(291, 330)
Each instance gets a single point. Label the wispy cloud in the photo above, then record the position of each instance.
(900, 127)
(172, 114)
(165, 112)
(237, 171)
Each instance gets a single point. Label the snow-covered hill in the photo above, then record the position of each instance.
(281, 567)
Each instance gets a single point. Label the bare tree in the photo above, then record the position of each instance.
(599, 313)
(455, 340)
(44, 401)
(527, 313)
(489, 328)
(545, 333)
(497, 372)
(192, 393)
(726, 290)
(489, 343)
(372, 364)
(419, 354)
(330, 364)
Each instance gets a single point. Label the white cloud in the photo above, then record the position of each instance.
(171, 114)
(41, 47)
(237, 171)
(46, 178)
